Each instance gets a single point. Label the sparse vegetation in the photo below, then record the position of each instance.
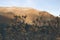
(21, 31)
(43, 28)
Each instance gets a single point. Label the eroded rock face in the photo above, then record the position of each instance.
(29, 15)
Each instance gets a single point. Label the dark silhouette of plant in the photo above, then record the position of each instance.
(18, 30)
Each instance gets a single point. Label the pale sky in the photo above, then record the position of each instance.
(51, 6)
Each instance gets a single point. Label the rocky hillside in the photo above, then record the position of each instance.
(28, 24)
(29, 15)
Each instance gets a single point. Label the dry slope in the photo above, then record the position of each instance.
(29, 15)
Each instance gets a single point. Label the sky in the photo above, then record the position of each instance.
(51, 6)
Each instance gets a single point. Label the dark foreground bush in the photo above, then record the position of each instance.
(21, 31)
